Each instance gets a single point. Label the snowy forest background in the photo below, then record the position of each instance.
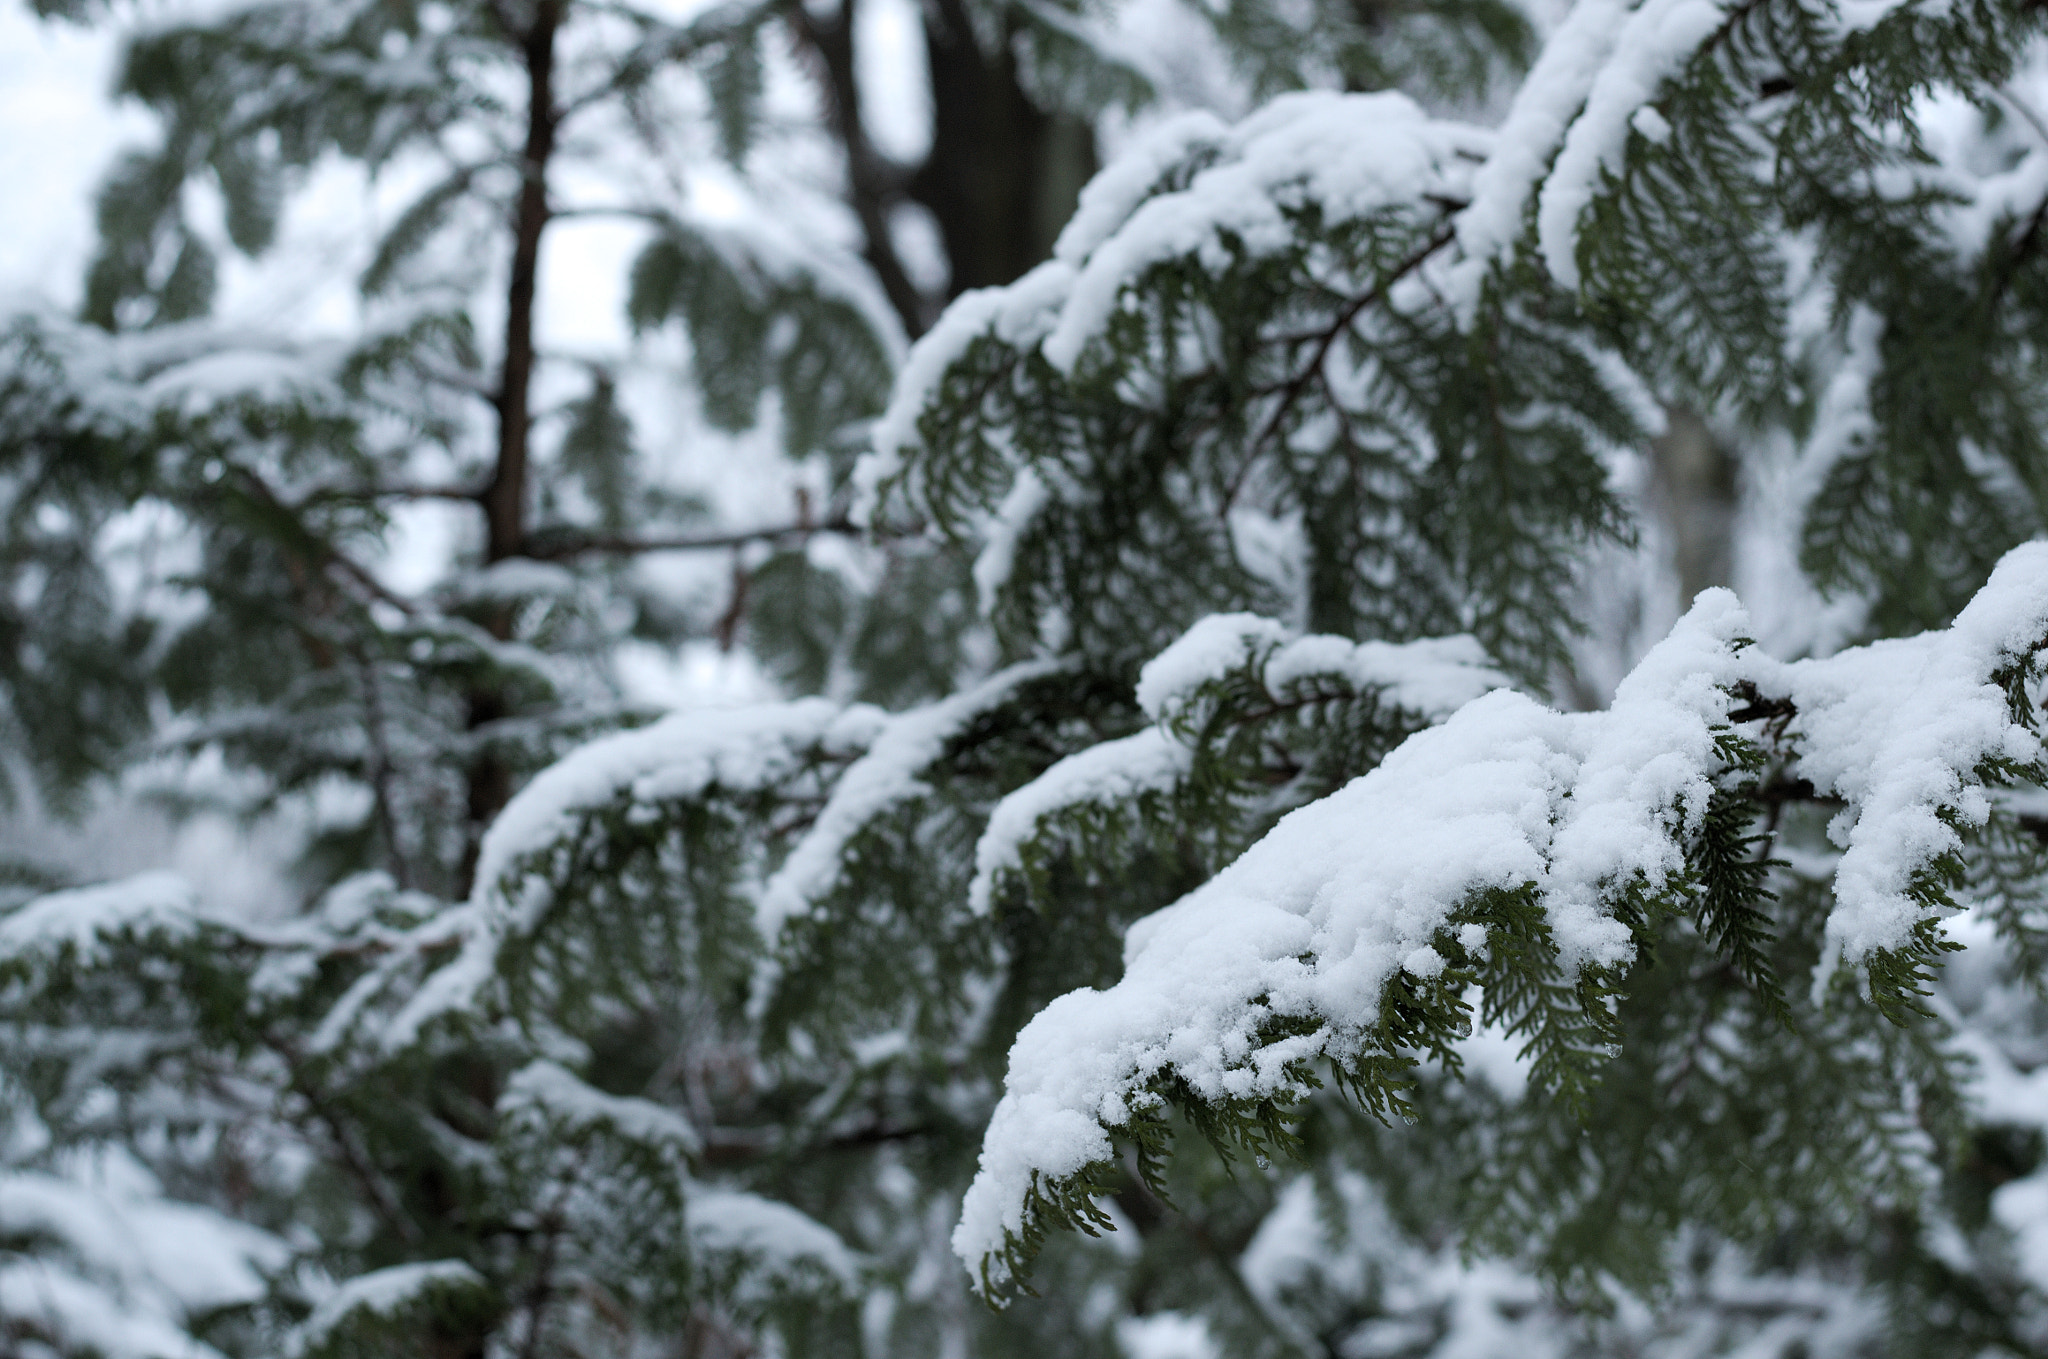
(834, 677)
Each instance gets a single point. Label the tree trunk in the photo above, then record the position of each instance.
(1002, 176)
(1693, 492)
(1000, 180)
(504, 497)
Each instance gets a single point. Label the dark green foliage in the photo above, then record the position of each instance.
(734, 76)
(838, 1048)
(1450, 49)
(597, 451)
(1214, 390)
(1946, 332)
(417, 225)
(798, 620)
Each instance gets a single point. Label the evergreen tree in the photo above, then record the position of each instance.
(1218, 822)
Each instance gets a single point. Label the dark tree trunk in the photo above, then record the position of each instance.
(872, 184)
(504, 496)
(1000, 180)
(1002, 176)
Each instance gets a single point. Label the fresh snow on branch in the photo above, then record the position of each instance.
(680, 756)
(1348, 155)
(1351, 155)
(122, 1274)
(547, 1093)
(1430, 678)
(684, 755)
(84, 920)
(1153, 760)
(381, 1292)
(1303, 933)
(1655, 41)
(1899, 729)
(887, 776)
(766, 1234)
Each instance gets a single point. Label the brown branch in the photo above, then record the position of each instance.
(470, 494)
(504, 499)
(564, 545)
(325, 552)
(873, 183)
(383, 1201)
(382, 768)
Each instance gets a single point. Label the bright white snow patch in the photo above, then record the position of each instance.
(1167, 1335)
(1654, 42)
(686, 754)
(679, 756)
(1207, 651)
(1351, 154)
(885, 778)
(1028, 495)
(1114, 771)
(1897, 729)
(1431, 678)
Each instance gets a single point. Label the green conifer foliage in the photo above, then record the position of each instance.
(1166, 888)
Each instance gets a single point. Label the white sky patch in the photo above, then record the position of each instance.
(895, 79)
(58, 133)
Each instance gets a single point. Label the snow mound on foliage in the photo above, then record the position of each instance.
(1431, 678)
(771, 1235)
(551, 1094)
(1897, 729)
(122, 1274)
(885, 777)
(1313, 920)
(382, 1292)
(684, 755)
(1115, 771)
(1349, 155)
(1311, 923)
(82, 920)
(679, 756)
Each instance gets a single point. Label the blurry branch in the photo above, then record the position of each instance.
(666, 43)
(507, 22)
(562, 544)
(322, 552)
(403, 492)
(874, 184)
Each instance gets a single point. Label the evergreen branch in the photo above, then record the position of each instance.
(383, 1201)
(324, 551)
(1326, 339)
(873, 182)
(674, 43)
